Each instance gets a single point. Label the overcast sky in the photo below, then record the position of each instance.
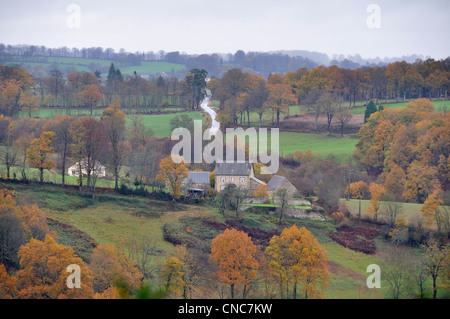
(208, 26)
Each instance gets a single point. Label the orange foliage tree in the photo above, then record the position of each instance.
(173, 174)
(297, 258)
(43, 273)
(357, 190)
(234, 254)
(112, 268)
(91, 95)
(39, 151)
(7, 284)
(376, 193)
(430, 208)
(172, 275)
(261, 191)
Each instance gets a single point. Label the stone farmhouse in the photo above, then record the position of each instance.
(279, 182)
(99, 169)
(240, 174)
(196, 184)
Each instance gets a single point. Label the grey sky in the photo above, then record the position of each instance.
(208, 26)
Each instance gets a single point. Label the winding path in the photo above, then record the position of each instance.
(215, 125)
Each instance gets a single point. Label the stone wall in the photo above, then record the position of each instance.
(294, 202)
(305, 213)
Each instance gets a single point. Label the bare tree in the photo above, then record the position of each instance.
(141, 248)
(282, 196)
(391, 210)
(397, 272)
(419, 273)
(329, 105)
(435, 260)
(344, 117)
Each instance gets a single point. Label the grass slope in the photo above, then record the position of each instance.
(114, 219)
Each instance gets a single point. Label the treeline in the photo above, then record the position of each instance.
(19, 90)
(326, 90)
(256, 62)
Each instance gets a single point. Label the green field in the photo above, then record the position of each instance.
(439, 105)
(80, 64)
(410, 211)
(159, 123)
(319, 144)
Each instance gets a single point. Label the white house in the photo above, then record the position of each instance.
(99, 169)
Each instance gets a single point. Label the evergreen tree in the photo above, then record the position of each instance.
(371, 108)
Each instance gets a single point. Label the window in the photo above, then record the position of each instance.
(242, 179)
(223, 179)
(74, 172)
(232, 179)
(222, 187)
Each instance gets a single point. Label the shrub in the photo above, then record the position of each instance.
(338, 217)
(176, 234)
(250, 222)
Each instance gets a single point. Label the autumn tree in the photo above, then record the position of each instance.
(173, 174)
(63, 139)
(9, 152)
(29, 102)
(112, 268)
(261, 191)
(297, 259)
(39, 152)
(430, 208)
(357, 190)
(376, 193)
(7, 284)
(279, 98)
(114, 121)
(43, 273)
(195, 269)
(91, 96)
(172, 275)
(435, 258)
(234, 254)
(12, 230)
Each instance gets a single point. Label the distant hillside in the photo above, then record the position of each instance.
(67, 64)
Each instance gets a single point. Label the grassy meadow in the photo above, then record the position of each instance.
(320, 145)
(439, 105)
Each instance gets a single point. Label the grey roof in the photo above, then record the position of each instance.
(257, 180)
(274, 182)
(234, 168)
(197, 178)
